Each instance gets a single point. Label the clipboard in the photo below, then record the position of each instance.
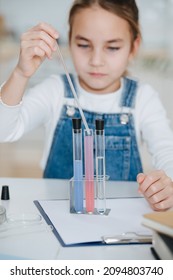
(73, 230)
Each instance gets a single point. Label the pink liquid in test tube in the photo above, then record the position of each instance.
(89, 171)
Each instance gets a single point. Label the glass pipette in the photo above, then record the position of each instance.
(73, 89)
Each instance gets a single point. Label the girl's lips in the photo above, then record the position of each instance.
(97, 75)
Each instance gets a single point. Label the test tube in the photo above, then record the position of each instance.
(77, 166)
(100, 166)
(89, 171)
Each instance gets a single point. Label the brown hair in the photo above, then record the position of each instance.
(126, 9)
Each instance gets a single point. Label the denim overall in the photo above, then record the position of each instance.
(121, 151)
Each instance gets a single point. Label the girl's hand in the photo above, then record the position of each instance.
(157, 188)
(37, 43)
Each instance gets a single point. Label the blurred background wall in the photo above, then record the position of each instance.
(154, 65)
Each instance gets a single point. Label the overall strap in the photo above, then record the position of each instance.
(67, 89)
(129, 93)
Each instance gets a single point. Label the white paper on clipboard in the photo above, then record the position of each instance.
(125, 216)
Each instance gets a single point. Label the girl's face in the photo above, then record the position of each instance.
(101, 47)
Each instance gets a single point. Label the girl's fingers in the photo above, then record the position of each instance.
(39, 48)
(36, 51)
(39, 36)
(151, 179)
(159, 196)
(36, 44)
(158, 186)
(164, 204)
(140, 178)
(47, 28)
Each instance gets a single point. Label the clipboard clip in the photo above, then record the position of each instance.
(127, 238)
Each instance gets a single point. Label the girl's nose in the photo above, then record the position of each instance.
(96, 58)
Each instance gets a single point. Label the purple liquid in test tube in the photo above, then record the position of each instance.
(89, 171)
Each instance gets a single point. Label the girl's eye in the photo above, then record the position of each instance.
(84, 46)
(113, 48)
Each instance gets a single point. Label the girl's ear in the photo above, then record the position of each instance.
(135, 47)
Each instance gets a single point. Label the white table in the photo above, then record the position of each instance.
(43, 244)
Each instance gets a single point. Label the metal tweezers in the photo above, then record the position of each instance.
(127, 237)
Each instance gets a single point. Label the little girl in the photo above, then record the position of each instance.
(104, 37)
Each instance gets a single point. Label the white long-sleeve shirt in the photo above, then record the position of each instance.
(42, 105)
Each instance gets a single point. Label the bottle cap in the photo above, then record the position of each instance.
(76, 123)
(5, 193)
(99, 124)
